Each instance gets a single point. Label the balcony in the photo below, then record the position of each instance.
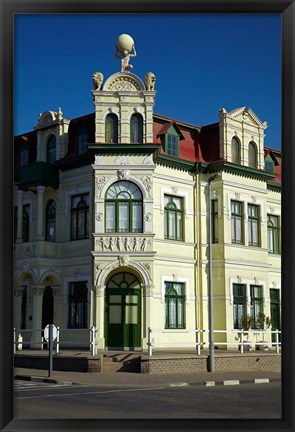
(38, 174)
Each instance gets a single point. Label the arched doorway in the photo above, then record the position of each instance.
(47, 307)
(123, 311)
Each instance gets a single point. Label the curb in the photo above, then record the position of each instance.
(42, 379)
(228, 382)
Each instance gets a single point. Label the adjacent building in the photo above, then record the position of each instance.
(112, 222)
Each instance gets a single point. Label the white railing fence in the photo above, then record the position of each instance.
(240, 343)
(65, 337)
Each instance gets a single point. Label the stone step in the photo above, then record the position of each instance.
(120, 363)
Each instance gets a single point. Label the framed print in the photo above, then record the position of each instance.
(144, 146)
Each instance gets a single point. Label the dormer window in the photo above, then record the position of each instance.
(269, 164)
(82, 138)
(51, 149)
(172, 144)
(171, 136)
(136, 129)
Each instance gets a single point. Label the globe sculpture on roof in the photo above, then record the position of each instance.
(125, 46)
(124, 43)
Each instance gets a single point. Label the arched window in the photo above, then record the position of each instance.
(51, 149)
(136, 129)
(123, 208)
(111, 128)
(80, 217)
(252, 155)
(50, 221)
(235, 150)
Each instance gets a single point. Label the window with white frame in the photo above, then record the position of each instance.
(253, 225)
(256, 293)
(173, 218)
(237, 222)
(174, 305)
(273, 234)
(124, 204)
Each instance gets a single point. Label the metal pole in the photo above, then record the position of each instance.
(150, 349)
(50, 350)
(210, 290)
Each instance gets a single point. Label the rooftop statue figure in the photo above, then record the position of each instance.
(125, 46)
(125, 58)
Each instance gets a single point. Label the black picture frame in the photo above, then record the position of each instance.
(8, 8)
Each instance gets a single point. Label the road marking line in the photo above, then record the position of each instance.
(179, 385)
(90, 393)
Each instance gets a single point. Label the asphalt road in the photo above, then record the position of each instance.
(251, 401)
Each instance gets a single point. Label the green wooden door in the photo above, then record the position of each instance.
(123, 311)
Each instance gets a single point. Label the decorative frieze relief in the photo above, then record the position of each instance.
(123, 160)
(99, 217)
(99, 184)
(123, 260)
(148, 217)
(147, 182)
(122, 244)
(123, 174)
(148, 160)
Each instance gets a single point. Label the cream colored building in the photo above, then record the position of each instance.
(111, 223)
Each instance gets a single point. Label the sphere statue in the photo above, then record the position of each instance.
(124, 43)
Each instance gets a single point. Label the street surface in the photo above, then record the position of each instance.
(41, 400)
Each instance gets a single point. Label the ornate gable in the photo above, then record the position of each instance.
(123, 82)
(246, 115)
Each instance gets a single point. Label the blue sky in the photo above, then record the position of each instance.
(202, 63)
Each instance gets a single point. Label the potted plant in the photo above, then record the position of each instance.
(263, 323)
(246, 324)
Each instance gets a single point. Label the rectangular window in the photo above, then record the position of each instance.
(253, 225)
(273, 234)
(237, 222)
(110, 217)
(82, 142)
(24, 157)
(172, 145)
(173, 218)
(215, 228)
(26, 223)
(256, 303)
(136, 216)
(174, 305)
(78, 305)
(239, 294)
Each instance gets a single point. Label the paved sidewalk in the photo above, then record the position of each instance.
(137, 379)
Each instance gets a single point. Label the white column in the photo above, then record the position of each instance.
(40, 215)
(37, 316)
(98, 319)
(19, 231)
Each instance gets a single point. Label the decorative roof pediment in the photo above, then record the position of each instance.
(172, 126)
(246, 115)
(121, 81)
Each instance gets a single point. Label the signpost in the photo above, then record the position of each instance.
(50, 333)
